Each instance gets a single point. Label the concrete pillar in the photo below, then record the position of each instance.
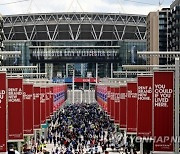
(111, 70)
(96, 72)
(51, 71)
(66, 69)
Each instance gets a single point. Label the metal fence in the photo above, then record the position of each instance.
(81, 96)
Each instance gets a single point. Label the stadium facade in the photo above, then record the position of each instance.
(55, 41)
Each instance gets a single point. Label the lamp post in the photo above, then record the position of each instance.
(111, 70)
(177, 104)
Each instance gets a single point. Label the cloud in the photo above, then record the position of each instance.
(109, 6)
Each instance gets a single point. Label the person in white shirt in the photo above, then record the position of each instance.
(12, 150)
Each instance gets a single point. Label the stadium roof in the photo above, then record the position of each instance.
(75, 26)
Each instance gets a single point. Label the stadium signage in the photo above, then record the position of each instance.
(79, 53)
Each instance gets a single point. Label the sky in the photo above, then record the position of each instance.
(10, 7)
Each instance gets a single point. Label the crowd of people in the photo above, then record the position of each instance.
(82, 128)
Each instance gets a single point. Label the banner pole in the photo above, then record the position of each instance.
(176, 105)
(40, 133)
(29, 140)
(125, 138)
(141, 146)
(131, 144)
(19, 146)
(35, 136)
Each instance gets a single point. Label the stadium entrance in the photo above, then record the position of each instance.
(55, 42)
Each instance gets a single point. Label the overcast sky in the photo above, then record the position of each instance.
(9, 7)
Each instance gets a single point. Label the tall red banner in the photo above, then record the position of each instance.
(3, 113)
(28, 108)
(47, 103)
(51, 100)
(163, 111)
(112, 103)
(37, 107)
(144, 128)
(116, 105)
(131, 107)
(55, 98)
(123, 106)
(108, 99)
(15, 109)
(43, 105)
(105, 99)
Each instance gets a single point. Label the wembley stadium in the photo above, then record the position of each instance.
(56, 42)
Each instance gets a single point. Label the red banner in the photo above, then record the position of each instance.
(92, 80)
(131, 107)
(3, 113)
(105, 98)
(116, 104)
(112, 103)
(163, 111)
(37, 108)
(51, 100)
(15, 109)
(108, 99)
(123, 106)
(47, 103)
(43, 105)
(144, 128)
(28, 108)
(55, 98)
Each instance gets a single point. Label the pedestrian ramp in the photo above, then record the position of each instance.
(81, 96)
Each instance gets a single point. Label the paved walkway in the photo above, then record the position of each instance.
(88, 123)
(86, 151)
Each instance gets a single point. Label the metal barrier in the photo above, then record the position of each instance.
(81, 96)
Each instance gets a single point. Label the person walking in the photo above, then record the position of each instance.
(11, 150)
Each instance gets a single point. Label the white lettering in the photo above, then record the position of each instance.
(14, 95)
(162, 95)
